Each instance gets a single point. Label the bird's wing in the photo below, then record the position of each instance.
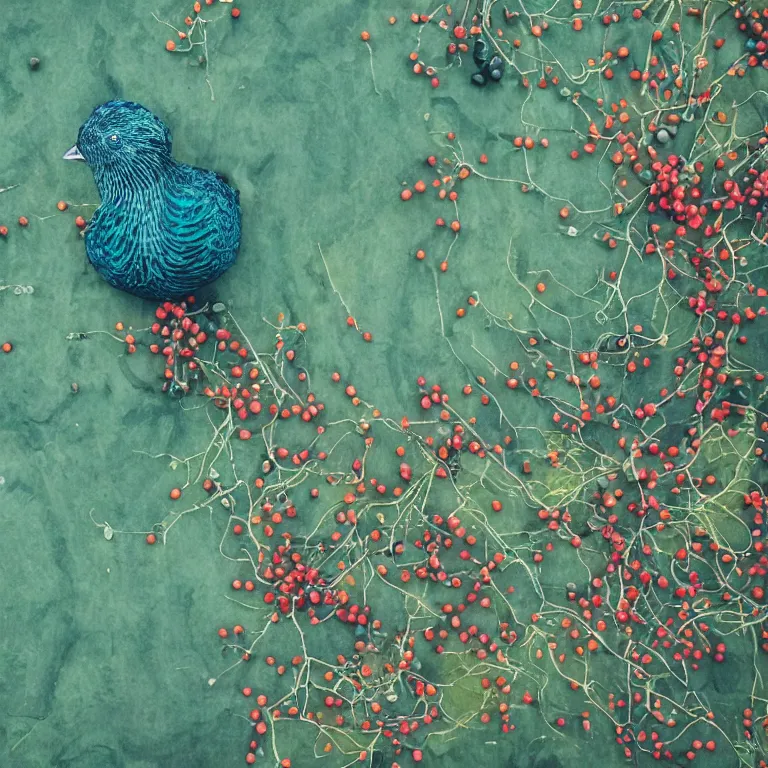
(201, 227)
(111, 240)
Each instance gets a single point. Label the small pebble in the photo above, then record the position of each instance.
(34, 63)
(496, 74)
(479, 79)
(662, 136)
(480, 52)
(75, 387)
(496, 64)
(219, 307)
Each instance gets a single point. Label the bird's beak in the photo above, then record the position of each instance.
(73, 154)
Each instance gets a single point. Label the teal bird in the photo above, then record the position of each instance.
(163, 228)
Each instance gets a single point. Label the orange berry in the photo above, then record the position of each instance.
(365, 36)
(170, 46)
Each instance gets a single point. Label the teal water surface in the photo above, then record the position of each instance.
(108, 647)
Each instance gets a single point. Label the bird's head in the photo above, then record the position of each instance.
(121, 133)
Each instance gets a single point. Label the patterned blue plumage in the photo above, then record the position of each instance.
(163, 228)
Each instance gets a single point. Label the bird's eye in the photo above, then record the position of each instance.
(113, 137)
(114, 141)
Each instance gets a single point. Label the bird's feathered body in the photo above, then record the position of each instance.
(163, 228)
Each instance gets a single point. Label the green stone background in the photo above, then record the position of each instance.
(106, 647)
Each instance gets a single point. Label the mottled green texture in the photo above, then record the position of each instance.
(106, 646)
